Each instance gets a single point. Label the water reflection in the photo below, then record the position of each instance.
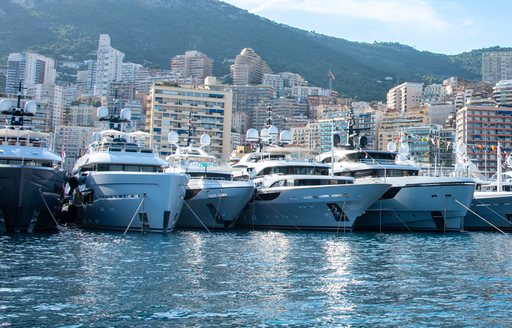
(194, 278)
(338, 259)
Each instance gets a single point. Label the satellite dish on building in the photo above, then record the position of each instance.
(252, 135)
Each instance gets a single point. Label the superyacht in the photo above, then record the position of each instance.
(31, 178)
(413, 203)
(213, 200)
(121, 183)
(300, 194)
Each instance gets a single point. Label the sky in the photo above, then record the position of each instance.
(441, 26)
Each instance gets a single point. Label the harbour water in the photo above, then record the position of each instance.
(255, 278)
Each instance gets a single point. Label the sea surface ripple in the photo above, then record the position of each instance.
(79, 278)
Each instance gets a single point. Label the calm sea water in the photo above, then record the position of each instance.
(194, 278)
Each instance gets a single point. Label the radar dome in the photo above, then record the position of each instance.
(252, 135)
(264, 133)
(173, 137)
(30, 107)
(5, 105)
(285, 137)
(102, 112)
(391, 146)
(273, 131)
(126, 114)
(204, 140)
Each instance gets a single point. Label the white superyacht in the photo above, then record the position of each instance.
(213, 199)
(491, 208)
(31, 178)
(122, 184)
(413, 203)
(300, 194)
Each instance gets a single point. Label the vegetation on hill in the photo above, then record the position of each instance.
(150, 32)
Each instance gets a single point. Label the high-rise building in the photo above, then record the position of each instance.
(314, 102)
(128, 71)
(193, 64)
(404, 97)
(283, 83)
(502, 93)
(284, 110)
(30, 69)
(81, 115)
(109, 66)
(190, 108)
(393, 125)
(249, 68)
(307, 137)
(496, 66)
(248, 100)
(53, 95)
(480, 127)
(301, 93)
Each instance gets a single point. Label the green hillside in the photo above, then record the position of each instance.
(150, 32)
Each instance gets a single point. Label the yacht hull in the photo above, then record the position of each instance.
(24, 191)
(329, 207)
(214, 204)
(420, 207)
(132, 201)
(490, 210)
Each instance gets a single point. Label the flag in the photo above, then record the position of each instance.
(63, 154)
(331, 76)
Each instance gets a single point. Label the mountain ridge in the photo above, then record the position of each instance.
(151, 32)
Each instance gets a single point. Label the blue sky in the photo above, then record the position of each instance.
(441, 26)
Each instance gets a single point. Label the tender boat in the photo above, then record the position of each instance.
(31, 178)
(122, 184)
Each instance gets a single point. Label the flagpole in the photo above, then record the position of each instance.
(498, 169)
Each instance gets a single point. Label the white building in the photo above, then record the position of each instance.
(248, 68)
(30, 69)
(502, 93)
(301, 93)
(496, 66)
(53, 95)
(404, 97)
(109, 66)
(193, 64)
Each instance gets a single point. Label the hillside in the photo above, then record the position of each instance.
(150, 32)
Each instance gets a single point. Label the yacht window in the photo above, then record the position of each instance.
(297, 170)
(115, 167)
(380, 173)
(147, 168)
(132, 168)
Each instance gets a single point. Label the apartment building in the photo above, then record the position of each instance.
(172, 107)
